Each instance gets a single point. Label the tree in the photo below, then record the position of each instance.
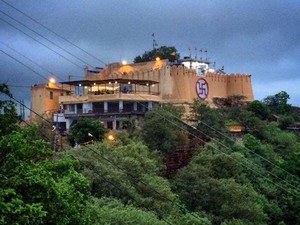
(259, 109)
(215, 184)
(111, 211)
(162, 52)
(36, 189)
(125, 170)
(86, 130)
(278, 102)
(138, 166)
(209, 122)
(161, 128)
(8, 113)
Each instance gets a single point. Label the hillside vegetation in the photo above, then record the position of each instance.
(252, 181)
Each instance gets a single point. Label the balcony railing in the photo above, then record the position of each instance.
(102, 112)
(92, 97)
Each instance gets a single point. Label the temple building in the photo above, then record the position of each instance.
(117, 92)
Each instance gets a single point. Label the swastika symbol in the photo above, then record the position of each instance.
(202, 88)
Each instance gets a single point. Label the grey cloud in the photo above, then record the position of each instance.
(256, 37)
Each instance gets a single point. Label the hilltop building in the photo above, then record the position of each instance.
(45, 99)
(118, 92)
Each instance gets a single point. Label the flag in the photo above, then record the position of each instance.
(205, 51)
(153, 35)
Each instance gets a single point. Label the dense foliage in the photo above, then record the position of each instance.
(162, 130)
(162, 52)
(252, 181)
(35, 189)
(86, 130)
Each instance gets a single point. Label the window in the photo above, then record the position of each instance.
(72, 108)
(51, 94)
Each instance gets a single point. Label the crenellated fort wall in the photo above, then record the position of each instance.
(177, 84)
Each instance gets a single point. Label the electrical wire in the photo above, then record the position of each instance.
(266, 160)
(102, 176)
(28, 67)
(47, 39)
(43, 68)
(220, 151)
(75, 64)
(47, 28)
(181, 208)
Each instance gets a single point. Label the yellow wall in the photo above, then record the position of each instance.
(41, 102)
(177, 84)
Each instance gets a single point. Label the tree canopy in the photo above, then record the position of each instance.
(85, 130)
(162, 52)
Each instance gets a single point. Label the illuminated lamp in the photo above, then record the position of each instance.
(52, 80)
(110, 137)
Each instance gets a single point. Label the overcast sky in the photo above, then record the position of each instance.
(261, 38)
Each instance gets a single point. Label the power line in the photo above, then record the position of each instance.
(41, 43)
(107, 160)
(47, 39)
(253, 164)
(181, 208)
(26, 57)
(231, 140)
(215, 148)
(47, 28)
(263, 158)
(102, 176)
(19, 86)
(42, 76)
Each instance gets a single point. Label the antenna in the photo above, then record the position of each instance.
(196, 52)
(205, 51)
(200, 50)
(154, 43)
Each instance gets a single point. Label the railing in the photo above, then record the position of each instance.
(102, 112)
(108, 92)
(140, 96)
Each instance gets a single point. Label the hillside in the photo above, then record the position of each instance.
(120, 181)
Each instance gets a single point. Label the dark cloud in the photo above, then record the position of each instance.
(255, 37)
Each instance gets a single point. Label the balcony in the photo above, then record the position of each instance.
(93, 97)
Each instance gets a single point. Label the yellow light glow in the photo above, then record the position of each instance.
(110, 137)
(153, 85)
(94, 84)
(109, 82)
(52, 80)
(147, 84)
(128, 82)
(116, 82)
(124, 62)
(79, 85)
(157, 58)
